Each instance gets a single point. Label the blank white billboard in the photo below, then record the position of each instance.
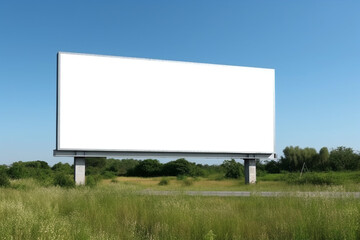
(108, 103)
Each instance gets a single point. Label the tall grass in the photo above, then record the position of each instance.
(118, 211)
(270, 184)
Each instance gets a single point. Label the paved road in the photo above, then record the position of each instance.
(261, 194)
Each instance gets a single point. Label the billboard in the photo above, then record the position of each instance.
(121, 104)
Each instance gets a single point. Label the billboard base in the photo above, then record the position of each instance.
(250, 171)
(79, 170)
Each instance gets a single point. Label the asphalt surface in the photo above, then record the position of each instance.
(249, 194)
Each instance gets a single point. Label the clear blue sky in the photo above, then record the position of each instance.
(313, 45)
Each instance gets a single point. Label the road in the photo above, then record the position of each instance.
(249, 194)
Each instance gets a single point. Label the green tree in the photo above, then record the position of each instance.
(95, 165)
(324, 158)
(309, 156)
(233, 169)
(291, 159)
(36, 164)
(121, 167)
(16, 170)
(178, 167)
(343, 158)
(96, 162)
(272, 167)
(148, 168)
(4, 179)
(38, 170)
(3, 168)
(295, 157)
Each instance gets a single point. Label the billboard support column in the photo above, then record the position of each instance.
(250, 170)
(79, 170)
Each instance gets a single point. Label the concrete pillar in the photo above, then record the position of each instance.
(250, 171)
(79, 174)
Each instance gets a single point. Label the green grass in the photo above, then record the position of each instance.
(117, 211)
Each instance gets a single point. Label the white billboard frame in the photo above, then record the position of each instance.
(146, 153)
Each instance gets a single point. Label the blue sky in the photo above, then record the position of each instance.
(314, 47)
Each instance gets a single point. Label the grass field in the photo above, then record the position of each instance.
(116, 210)
(346, 182)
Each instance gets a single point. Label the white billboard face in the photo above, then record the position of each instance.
(141, 105)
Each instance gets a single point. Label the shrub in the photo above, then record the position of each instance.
(210, 236)
(164, 181)
(260, 173)
(181, 177)
(114, 180)
(92, 180)
(209, 170)
(63, 167)
(188, 182)
(25, 184)
(108, 175)
(63, 180)
(38, 170)
(43, 176)
(4, 180)
(219, 178)
(312, 178)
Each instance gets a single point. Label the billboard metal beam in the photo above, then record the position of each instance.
(70, 153)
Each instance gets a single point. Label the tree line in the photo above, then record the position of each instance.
(293, 159)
